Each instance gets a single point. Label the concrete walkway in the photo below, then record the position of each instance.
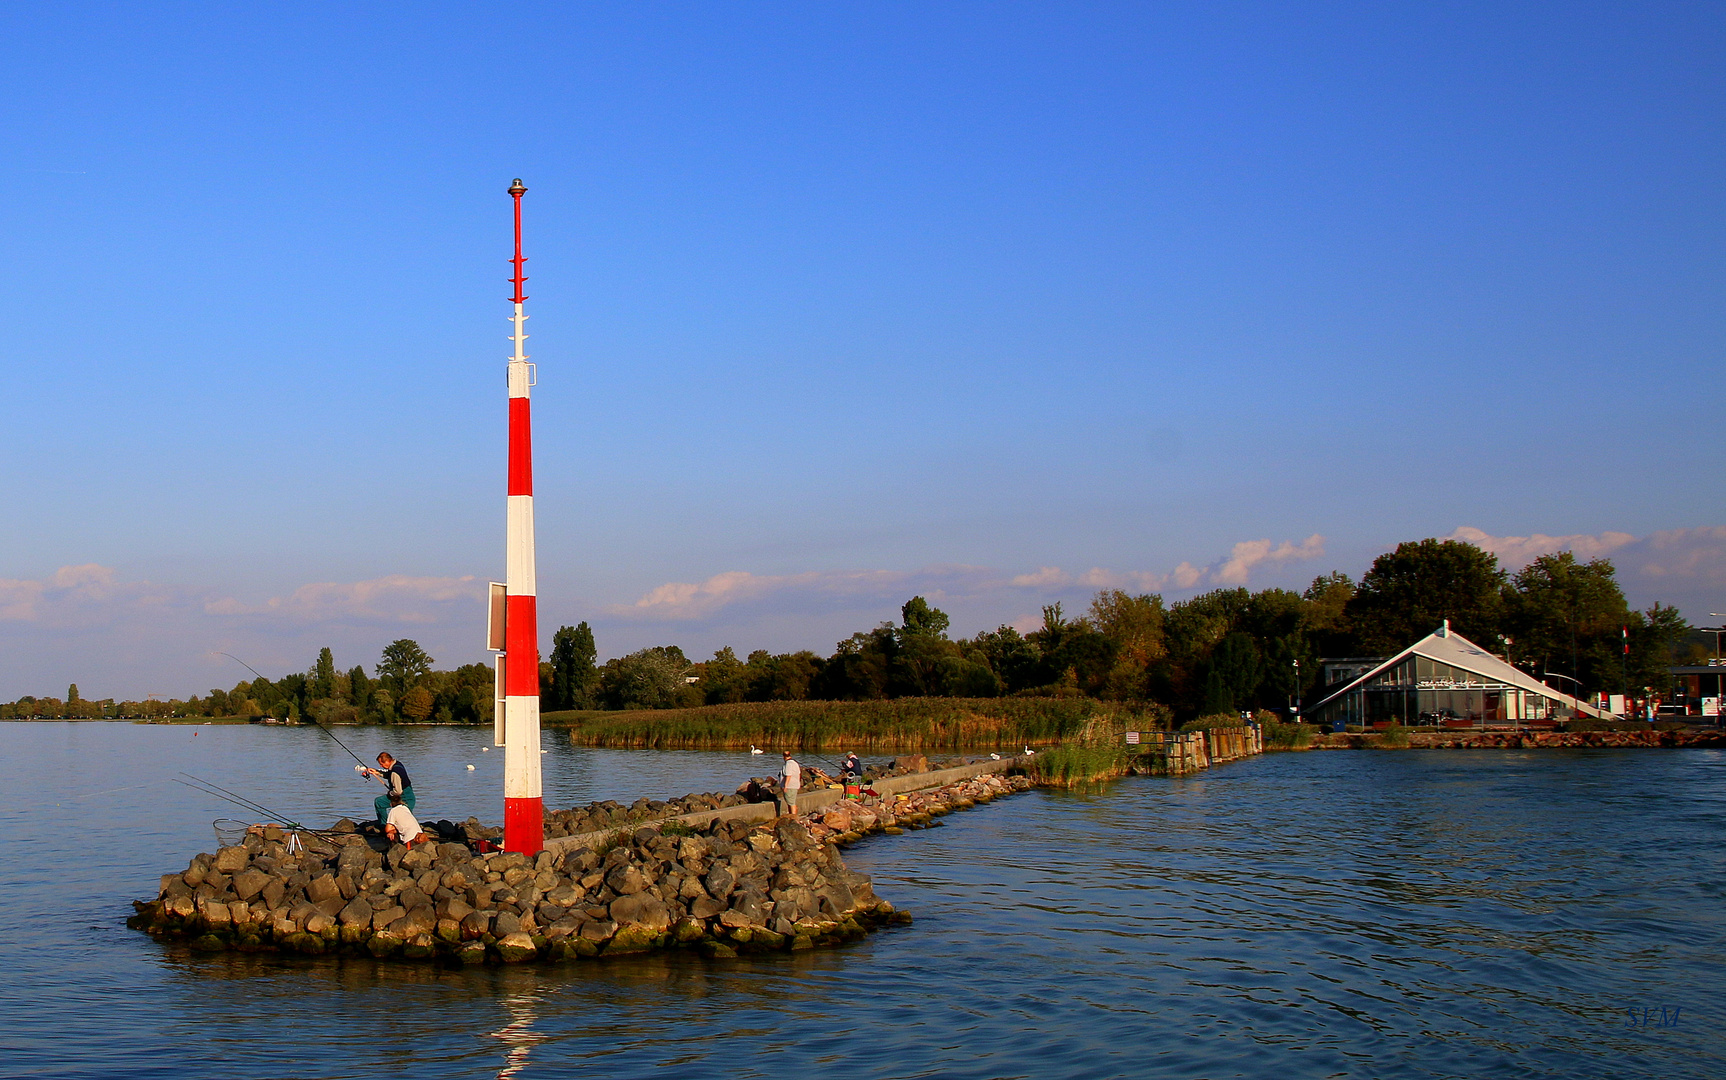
(767, 811)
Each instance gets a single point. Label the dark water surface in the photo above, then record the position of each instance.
(1365, 914)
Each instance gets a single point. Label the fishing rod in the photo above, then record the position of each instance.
(241, 801)
(341, 744)
(313, 719)
(227, 796)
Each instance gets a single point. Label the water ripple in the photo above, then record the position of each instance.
(1336, 915)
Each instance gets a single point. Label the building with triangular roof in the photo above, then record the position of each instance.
(1446, 680)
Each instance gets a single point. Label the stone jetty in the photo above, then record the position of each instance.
(721, 879)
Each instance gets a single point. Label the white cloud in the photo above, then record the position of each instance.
(1682, 567)
(113, 636)
(679, 601)
(1251, 553)
(76, 594)
(1233, 569)
(1698, 554)
(395, 598)
(1515, 552)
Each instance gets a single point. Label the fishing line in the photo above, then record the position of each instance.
(340, 743)
(243, 804)
(314, 721)
(238, 800)
(112, 790)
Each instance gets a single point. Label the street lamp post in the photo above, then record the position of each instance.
(1566, 678)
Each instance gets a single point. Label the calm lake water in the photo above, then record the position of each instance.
(1365, 914)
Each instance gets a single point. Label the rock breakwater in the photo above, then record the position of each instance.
(738, 886)
(848, 821)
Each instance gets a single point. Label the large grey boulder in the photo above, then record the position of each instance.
(231, 860)
(706, 907)
(357, 913)
(323, 888)
(641, 910)
(626, 880)
(719, 882)
(383, 917)
(249, 883)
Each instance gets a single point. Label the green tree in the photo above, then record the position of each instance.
(360, 689)
(417, 703)
(785, 677)
(1013, 660)
(1133, 625)
(921, 620)
(323, 674)
(645, 679)
(1655, 635)
(574, 677)
(72, 694)
(861, 667)
(724, 679)
(403, 664)
(1408, 593)
(1232, 674)
(1570, 617)
(1326, 622)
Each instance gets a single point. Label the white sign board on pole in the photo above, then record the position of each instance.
(1615, 705)
(1710, 706)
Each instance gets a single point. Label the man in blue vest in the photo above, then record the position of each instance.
(395, 780)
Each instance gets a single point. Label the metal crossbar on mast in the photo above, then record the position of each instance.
(523, 817)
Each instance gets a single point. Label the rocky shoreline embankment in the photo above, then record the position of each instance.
(717, 879)
(1524, 740)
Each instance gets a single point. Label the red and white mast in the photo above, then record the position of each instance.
(523, 816)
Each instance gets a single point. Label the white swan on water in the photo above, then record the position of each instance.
(753, 749)
(470, 768)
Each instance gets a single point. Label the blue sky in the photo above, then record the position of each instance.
(833, 304)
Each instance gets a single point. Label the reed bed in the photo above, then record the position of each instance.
(913, 724)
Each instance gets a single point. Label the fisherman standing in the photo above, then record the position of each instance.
(395, 780)
(790, 780)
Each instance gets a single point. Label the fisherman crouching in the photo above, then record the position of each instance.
(395, 780)
(401, 825)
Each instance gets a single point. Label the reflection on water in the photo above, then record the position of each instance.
(1366, 914)
(518, 1035)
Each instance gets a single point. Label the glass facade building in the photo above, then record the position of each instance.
(1445, 680)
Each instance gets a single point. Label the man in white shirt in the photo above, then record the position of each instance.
(401, 825)
(790, 780)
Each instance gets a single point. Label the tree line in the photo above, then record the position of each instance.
(404, 687)
(1223, 651)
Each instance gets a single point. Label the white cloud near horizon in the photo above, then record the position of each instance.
(117, 637)
(94, 594)
(693, 601)
(393, 598)
(1684, 567)
(679, 601)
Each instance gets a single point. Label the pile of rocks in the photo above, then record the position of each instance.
(736, 886)
(848, 821)
(610, 814)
